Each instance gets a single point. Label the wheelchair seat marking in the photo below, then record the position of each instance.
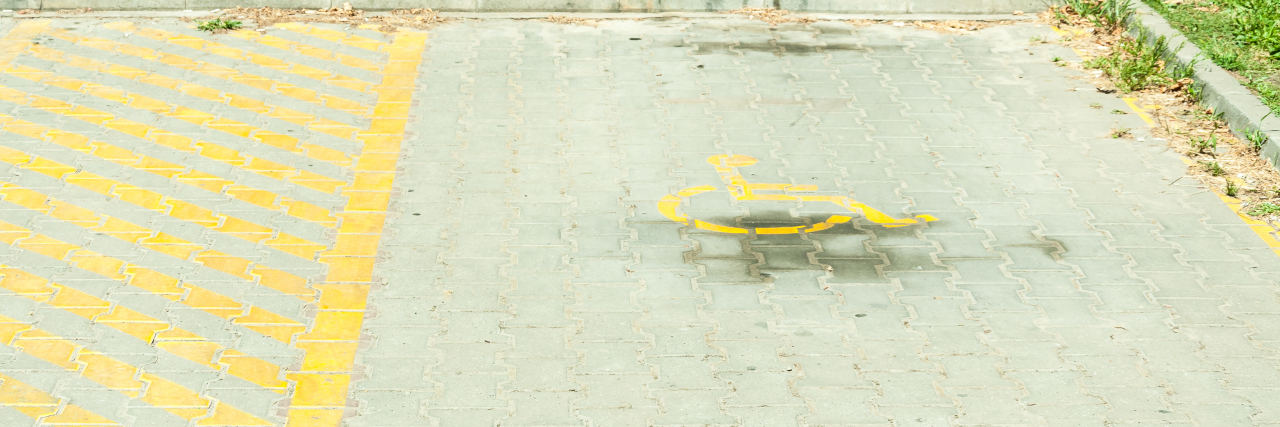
(741, 190)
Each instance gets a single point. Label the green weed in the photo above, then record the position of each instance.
(217, 25)
(1107, 14)
(1257, 138)
(1095, 106)
(1122, 132)
(1233, 188)
(1267, 208)
(1137, 64)
(1205, 145)
(1213, 168)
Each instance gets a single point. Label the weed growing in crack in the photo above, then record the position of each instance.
(1137, 64)
(1257, 138)
(218, 26)
(1107, 14)
(1205, 145)
(1213, 168)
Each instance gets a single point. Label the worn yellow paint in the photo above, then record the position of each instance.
(1143, 111)
(208, 120)
(257, 319)
(318, 397)
(238, 54)
(119, 376)
(160, 203)
(319, 124)
(231, 74)
(43, 407)
(322, 381)
(332, 35)
(741, 190)
(304, 49)
(151, 330)
(179, 173)
(1267, 232)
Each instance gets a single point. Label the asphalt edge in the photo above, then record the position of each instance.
(1220, 90)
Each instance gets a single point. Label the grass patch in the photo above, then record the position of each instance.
(1242, 36)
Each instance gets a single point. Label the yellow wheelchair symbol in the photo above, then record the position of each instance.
(741, 190)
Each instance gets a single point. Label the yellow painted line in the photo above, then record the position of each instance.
(153, 331)
(156, 106)
(1264, 230)
(160, 242)
(157, 202)
(324, 376)
(172, 288)
(120, 377)
(179, 173)
(247, 79)
(241, 55)
(319, 124)
(305, 49)
(333, 35)
(43, 407)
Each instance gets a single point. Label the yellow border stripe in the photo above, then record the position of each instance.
(172, 288)
(158, 107)
(304, 49)
(153, 331)
(119, 376)
(157, 202)
(325, 374)
(179, 173)
(286, 283)
(331, 127)
(43, 407)
(1264, 230)
(333, 36)
(236, 76)
(220, 49)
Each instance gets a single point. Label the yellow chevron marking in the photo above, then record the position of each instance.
(208, 182)
(159, 203)
(42, 406)
(257, 319)
(119, 376)
(331, 127)
(247, 79)
(333, 36)
(312, 51)
(241, 55)
(151, 330)
(162, 108)
(324, 377)
(160, 242)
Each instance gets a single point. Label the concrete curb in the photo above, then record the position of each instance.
(1243, 110)
(878, 7)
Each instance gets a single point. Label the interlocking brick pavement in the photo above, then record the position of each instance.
(646, 223)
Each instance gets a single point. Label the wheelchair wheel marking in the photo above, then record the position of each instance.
(741, 190)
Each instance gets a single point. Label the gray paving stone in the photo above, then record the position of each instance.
(528, 277)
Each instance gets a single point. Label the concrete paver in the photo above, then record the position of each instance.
(662, 222)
